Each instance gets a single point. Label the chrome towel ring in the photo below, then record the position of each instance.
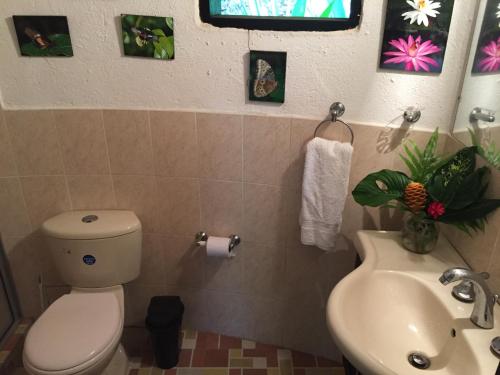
(337, 109)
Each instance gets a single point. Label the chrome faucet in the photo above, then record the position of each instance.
(482, 314)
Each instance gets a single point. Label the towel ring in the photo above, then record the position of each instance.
(337, 109)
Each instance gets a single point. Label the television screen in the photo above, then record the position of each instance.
(294, 9)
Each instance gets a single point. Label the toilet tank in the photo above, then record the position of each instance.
(94, 249)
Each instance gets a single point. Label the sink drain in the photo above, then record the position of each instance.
(419, 360)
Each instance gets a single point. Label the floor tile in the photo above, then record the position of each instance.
(185, 358)
(205, 353)
(227, 342)
(323, 362)
(254, 371)
(207, 340)
(247, 344)
(210, 358)
(303, 359)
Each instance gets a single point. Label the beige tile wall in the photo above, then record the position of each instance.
(183, 172)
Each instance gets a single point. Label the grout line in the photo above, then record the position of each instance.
(151, 150)
(200, 215)
(108, 158)
(59, 149)
(9, 140)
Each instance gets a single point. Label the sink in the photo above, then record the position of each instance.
(393, 305)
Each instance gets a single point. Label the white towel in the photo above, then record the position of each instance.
(324, 191)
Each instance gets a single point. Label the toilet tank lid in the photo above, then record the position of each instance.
(91, 225)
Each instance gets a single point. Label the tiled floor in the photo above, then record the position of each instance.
(10, 351)
(212, 354)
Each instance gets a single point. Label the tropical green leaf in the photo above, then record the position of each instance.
(431, 146)
(476, 211)
(411, 167)
(489, 153)
(459, 166)
(471, 189)
(413, 158)
(381, 187)
(422, 164)
(441, 192)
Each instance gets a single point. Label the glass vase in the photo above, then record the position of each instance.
(420, 235)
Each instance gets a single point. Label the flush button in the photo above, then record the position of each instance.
(89, 218)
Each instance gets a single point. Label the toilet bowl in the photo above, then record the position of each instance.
(79, 333)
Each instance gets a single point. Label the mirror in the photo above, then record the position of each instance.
(478, 115)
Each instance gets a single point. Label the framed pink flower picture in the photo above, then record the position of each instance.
(487, 58)
(416, 35)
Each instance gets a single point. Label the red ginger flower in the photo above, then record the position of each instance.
(435, 210)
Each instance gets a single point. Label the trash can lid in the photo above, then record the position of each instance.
(164, 311)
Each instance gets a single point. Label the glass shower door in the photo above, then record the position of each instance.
(8, 305)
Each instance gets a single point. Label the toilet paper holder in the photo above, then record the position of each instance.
(201, 239)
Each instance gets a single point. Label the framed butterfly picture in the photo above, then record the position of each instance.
(267, 76)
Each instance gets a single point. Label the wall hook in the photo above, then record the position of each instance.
(412, 114)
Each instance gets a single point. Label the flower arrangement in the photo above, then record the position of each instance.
(449, 190)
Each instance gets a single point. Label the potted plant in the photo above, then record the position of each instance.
(439, 189)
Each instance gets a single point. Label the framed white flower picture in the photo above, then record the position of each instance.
(416, 35)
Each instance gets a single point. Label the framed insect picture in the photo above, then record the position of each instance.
(43, 36)
(267, 76)
(148, 36)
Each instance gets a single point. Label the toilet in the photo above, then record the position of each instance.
(95, 252)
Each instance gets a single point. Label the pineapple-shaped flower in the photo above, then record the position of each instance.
(415, 196)
(422, 10)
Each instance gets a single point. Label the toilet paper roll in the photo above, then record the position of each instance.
(219, 247)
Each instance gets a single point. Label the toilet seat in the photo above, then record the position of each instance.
(76, 332)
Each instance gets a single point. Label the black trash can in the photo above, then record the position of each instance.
(164, 322)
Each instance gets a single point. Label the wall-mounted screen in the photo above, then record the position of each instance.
(282, 8)
(291, 15)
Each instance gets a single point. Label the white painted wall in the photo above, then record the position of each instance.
(209, 73)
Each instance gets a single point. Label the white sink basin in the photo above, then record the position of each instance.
(393, 305)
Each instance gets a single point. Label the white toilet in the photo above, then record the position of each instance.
(95, 252)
